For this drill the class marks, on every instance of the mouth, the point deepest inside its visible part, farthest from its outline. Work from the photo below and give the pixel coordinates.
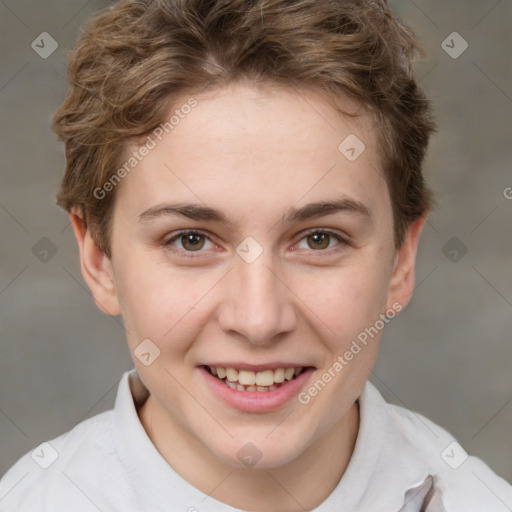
(255, 381)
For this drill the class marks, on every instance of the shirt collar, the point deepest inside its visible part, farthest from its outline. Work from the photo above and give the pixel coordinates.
(382, 474)
(383, 468)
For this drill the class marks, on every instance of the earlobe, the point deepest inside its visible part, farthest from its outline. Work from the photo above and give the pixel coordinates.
(402, 280)
(96, 267)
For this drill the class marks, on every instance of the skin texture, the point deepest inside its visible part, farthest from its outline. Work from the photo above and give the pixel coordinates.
(253, 153)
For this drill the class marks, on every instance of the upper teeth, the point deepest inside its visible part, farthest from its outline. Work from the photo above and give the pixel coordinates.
(250, 378)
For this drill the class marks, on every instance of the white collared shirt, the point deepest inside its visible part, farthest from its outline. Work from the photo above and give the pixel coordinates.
(402, 462)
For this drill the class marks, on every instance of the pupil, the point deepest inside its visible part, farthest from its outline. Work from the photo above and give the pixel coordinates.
(193, 239)
(321, 237)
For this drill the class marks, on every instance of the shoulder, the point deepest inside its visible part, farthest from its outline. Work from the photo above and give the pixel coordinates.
(463, 482)
(70, 467)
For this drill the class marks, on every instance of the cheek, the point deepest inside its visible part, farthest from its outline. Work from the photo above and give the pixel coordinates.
(159, 304)
(346, 300)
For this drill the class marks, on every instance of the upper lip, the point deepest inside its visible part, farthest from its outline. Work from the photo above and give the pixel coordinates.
(256, 367)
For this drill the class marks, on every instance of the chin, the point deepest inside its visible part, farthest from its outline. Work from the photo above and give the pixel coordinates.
(259, 451)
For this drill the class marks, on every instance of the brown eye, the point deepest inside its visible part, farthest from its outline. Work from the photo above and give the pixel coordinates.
(321, 240)
(190, 241)
(193, 241)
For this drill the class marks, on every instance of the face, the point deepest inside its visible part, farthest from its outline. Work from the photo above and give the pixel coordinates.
(226, 255)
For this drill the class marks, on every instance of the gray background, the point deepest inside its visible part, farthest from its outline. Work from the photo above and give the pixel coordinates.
(448, 357)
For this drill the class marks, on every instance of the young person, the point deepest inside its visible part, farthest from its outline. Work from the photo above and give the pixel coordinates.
(245, 184)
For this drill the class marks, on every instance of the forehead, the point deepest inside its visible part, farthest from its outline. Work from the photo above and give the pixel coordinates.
(270, 119)
(243, 146)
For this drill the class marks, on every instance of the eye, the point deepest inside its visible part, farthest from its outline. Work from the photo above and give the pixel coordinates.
(193, 241)
(320, 240)
(190, 240)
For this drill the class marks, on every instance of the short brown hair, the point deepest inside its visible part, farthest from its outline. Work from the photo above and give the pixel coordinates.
(135, 58)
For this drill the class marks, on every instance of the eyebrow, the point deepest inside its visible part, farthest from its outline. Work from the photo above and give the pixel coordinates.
(205, 213)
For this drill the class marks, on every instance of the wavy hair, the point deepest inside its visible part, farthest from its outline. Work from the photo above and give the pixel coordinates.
(134, 60)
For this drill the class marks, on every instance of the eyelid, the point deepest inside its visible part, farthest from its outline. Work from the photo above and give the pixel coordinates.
(176, 236)
(343, 240)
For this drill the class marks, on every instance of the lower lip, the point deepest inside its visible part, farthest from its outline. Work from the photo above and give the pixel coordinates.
(257, 401)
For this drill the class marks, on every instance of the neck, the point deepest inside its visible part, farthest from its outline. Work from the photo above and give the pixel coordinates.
(302, 484)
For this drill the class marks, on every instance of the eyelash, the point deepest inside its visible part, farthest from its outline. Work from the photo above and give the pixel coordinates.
(190, 254)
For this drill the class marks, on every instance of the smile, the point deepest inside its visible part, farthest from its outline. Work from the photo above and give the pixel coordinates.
(247, 380)
(252, 391)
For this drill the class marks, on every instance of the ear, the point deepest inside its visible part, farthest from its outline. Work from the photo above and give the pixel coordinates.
(401, 284)
(96, 268)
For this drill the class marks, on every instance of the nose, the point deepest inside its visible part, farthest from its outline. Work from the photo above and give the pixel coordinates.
(258, 305)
